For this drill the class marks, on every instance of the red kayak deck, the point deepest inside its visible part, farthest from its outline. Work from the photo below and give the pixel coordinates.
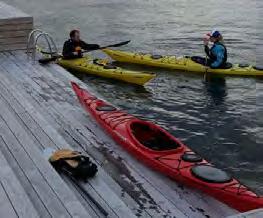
(165, 153)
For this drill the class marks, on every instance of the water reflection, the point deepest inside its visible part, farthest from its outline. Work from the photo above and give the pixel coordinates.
(216, 88)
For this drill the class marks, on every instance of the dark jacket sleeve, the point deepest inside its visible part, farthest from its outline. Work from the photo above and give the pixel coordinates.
(207, 51)
(68, 50)
(89, 47)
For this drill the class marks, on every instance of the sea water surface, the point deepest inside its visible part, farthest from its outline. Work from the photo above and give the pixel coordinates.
(222, 119)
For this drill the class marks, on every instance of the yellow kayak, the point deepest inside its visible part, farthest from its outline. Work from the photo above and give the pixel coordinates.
(104, 69)
(181, 63)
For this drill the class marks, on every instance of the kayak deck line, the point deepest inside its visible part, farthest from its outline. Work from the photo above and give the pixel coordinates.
(38, 110)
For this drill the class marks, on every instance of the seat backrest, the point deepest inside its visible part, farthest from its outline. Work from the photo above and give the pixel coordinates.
(228, 65)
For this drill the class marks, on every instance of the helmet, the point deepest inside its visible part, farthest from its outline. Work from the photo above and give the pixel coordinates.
(215, 34)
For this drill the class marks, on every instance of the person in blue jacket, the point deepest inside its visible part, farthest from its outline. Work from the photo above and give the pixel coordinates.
(217, 54)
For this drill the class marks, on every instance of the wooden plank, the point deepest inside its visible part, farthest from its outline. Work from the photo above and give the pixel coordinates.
(250, 214)
(9, 34)
(58, 186)
(19, 27)
(46, 141)
(13, 40)
(43, 190)
(49, 174)
(20, 201)
(13, 47)
(29, 122)
(6, 208)
(24, 181)
(104, 190)
(16, 21)
(92, 209)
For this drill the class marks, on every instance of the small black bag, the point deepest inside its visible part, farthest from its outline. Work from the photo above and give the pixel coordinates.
(73, 163)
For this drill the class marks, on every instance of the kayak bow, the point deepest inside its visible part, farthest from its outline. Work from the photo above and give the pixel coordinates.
(165, 153)
(181, 63)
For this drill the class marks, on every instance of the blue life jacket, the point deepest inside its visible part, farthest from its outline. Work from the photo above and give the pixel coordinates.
(217, 55)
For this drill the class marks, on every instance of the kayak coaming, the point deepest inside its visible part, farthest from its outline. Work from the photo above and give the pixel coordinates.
(179, 63)
(85, 65)
(169, 162)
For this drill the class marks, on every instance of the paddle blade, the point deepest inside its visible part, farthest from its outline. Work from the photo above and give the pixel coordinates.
(116, 45)
(120, 44)
(108, 46)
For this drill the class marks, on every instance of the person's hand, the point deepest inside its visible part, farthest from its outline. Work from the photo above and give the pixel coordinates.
(206, 39)
(75, 53)
(206, 42)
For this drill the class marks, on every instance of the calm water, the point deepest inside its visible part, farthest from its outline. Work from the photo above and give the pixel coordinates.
(222, 120)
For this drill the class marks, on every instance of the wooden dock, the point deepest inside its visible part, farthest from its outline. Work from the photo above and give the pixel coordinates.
(40, 110)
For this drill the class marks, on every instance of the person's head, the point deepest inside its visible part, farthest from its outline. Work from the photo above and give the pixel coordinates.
(75, 35)
(216, 36)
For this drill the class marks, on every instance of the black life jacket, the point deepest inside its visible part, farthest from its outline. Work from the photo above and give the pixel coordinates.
(73, 163)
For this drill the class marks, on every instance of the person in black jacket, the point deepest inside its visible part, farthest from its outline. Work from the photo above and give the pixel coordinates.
(73, 47)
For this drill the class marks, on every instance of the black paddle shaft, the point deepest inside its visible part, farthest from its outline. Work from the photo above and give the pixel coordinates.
(78, 185)
(108, 46)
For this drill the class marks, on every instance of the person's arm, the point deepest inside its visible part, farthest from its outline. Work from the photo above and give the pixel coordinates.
(207, 51)
(219, 52)
(68, 51)
(89, 47)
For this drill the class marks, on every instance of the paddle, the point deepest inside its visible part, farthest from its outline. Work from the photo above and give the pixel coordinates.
(109, 46)
(206, 68)
(54, 58)
(206, 41)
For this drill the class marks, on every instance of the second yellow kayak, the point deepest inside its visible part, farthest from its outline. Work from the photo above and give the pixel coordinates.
(180, 63)
(104, 69)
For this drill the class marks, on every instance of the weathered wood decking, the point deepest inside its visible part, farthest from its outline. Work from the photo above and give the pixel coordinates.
(15, 26)
(250, 214)
(38, 109)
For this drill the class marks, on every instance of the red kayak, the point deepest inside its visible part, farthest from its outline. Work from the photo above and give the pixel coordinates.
(165, 153)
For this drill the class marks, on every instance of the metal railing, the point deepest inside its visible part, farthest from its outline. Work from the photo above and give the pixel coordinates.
(33, 38)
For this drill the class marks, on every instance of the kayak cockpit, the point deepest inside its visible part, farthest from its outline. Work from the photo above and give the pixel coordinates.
(152, 136)
(203, 61)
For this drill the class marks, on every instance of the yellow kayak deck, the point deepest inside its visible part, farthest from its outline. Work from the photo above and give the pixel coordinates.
(179, 63)
(102, 69)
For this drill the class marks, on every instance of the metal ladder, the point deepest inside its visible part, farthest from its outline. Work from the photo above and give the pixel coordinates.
(32, 41)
